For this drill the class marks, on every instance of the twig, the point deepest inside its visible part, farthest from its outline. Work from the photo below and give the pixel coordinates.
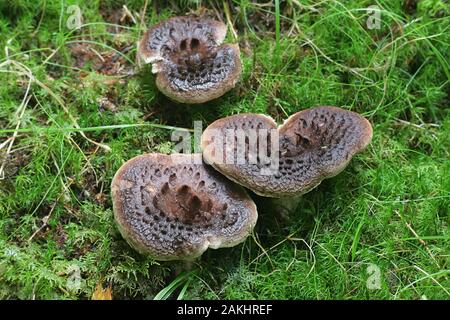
(421, 126)
(4, 143)
(20, 111)
(420, 279)
(422, 242)
(129, 14)
(331, 255)
(262, 248)
(271, 248)
(226, 8)
(310, 250)
(47, 217)
(142, 25)
(433, 279)
(66, 190)
(97, 54)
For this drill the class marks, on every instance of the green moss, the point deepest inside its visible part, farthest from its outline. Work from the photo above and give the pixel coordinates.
(57, 234)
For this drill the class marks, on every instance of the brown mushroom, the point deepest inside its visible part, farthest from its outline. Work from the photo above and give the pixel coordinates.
(191, 64)
(173, 207)
(312, 145)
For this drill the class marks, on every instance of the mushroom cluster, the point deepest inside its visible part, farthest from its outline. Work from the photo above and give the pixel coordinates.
(174, 207)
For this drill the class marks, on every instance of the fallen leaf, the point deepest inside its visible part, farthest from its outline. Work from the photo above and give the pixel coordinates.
(101, 293)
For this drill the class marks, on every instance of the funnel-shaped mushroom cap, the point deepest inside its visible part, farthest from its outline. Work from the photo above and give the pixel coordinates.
(191, 65)
(310, 146)
(171, 208)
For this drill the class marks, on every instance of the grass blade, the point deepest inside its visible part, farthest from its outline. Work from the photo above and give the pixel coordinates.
(166, 292)
(277, 32)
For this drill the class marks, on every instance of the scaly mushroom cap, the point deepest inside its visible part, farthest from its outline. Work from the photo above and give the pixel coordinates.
(191, 65)
(313, 144)
(171, 208)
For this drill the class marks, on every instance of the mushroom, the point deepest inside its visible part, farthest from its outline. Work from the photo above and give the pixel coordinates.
(191, 64)
(173, 207)
(310, 146)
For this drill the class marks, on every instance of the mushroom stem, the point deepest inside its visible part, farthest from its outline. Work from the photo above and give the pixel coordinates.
(286, 205)
(184, 266)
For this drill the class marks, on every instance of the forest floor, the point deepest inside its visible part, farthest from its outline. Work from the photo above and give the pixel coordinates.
(74, 107)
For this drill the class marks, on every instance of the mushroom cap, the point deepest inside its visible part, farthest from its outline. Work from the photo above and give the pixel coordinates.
(313, 145)
(173, 207)
(191, 64)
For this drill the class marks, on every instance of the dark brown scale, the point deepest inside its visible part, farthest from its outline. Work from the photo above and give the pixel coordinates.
(192, 59)
(175, 206)
(313, 144)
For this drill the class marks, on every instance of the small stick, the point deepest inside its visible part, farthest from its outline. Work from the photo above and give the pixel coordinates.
(4, 143)
(47, 217)
(228, 15)
(97, 53)
(129, 14)
(144, 11)
(422, 242)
